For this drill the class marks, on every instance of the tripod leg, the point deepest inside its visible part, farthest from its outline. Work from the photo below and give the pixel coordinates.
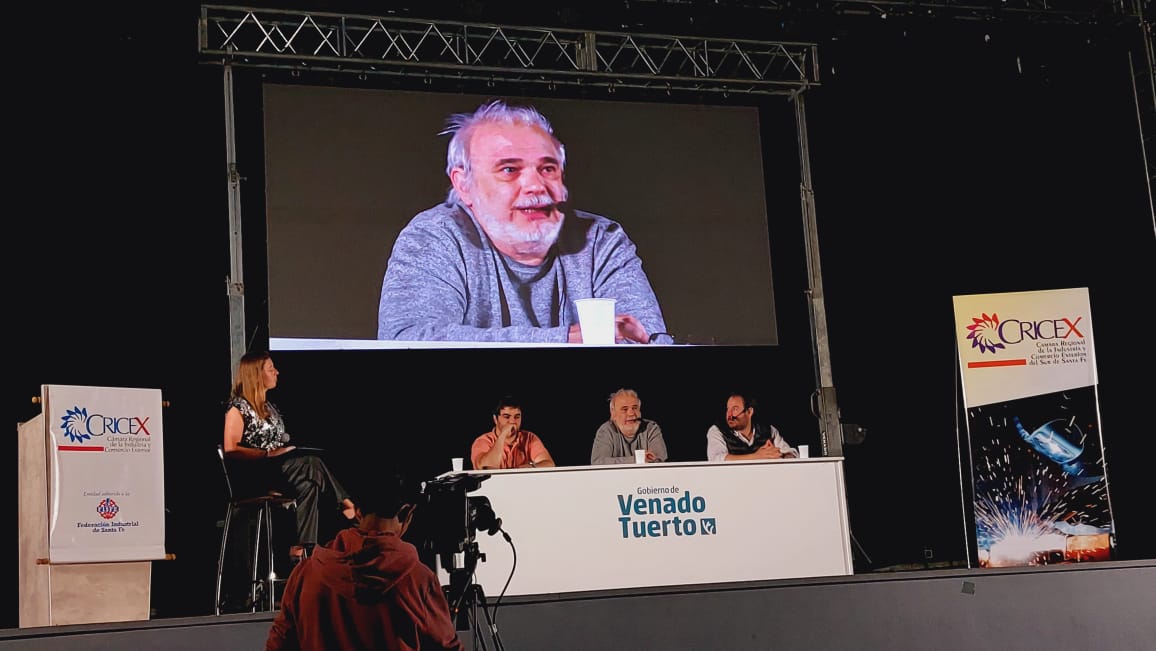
(480, 602)
(472, 617)
(862, 551)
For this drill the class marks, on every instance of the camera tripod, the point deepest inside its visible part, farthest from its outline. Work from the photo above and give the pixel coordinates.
(467, 600)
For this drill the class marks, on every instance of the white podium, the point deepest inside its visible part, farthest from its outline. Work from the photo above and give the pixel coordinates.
(90, 505)
(589, 528)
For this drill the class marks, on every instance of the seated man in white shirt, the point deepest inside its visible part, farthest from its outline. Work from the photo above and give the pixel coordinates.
(739, 438)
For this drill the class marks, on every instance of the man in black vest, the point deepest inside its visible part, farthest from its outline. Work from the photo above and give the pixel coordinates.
(739, 438)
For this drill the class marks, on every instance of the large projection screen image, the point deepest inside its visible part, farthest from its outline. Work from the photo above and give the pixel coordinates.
(674, 194)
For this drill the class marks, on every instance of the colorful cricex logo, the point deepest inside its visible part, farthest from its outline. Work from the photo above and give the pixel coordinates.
(990, 335)
(983, 333)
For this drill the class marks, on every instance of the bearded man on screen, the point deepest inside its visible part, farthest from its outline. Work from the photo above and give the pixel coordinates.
(503, 259)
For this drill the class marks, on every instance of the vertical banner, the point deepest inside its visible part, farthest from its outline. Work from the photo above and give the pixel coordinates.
(105, 450)
(1028, 369)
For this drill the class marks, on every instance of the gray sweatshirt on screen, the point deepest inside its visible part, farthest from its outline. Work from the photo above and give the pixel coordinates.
(445, 281)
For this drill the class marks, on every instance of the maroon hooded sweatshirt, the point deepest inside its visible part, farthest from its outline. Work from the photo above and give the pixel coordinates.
(363, 591)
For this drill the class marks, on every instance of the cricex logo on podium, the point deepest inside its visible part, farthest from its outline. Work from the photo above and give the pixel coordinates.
(657, 517)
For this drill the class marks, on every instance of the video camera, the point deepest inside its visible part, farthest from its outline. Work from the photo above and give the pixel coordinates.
(454, 517)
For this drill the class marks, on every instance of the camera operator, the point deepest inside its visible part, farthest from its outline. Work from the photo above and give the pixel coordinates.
(367, 589)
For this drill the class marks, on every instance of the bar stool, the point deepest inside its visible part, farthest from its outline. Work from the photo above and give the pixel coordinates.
(260, 508)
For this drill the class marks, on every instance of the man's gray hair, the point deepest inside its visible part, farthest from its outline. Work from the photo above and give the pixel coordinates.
(462, 125)
(624, 392)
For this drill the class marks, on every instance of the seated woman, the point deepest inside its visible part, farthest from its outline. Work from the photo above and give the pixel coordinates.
(255, 433)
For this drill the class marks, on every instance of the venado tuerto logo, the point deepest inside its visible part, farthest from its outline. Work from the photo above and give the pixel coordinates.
(662, 511)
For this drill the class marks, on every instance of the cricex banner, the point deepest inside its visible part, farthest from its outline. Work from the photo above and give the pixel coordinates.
(105, 451)
(1028, 367)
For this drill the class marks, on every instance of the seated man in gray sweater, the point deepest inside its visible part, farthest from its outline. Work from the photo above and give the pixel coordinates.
(626, 431)
(500, 260)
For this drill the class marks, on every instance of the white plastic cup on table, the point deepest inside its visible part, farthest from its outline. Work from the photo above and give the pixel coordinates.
(457, 463)
(596, 318)
(640, 456)
(804, 451)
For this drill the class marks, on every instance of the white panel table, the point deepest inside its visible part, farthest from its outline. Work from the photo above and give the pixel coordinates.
(586, 528)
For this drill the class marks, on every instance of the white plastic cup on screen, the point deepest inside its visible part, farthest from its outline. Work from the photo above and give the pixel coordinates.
(596, 318)
(640, 456)
(457, 463)
(804, 451)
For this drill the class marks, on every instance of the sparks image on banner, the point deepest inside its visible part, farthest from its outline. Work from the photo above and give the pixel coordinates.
(1038, 471)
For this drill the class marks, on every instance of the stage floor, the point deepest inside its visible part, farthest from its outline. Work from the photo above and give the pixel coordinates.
(1081, 606)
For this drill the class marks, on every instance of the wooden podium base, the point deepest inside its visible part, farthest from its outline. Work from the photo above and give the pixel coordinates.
(69, 593)
(86, 593)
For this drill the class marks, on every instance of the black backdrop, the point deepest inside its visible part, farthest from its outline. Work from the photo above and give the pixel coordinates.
(948, 158)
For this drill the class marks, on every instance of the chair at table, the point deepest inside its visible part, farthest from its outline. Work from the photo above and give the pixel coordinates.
(259, 506)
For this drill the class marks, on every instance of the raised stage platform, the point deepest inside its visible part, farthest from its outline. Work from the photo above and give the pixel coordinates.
(1105, 605)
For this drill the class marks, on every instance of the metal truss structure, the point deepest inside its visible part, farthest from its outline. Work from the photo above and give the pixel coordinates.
(484, 52)
(1039, 12)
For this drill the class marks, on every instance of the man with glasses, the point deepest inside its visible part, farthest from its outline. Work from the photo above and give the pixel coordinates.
(739, 438)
